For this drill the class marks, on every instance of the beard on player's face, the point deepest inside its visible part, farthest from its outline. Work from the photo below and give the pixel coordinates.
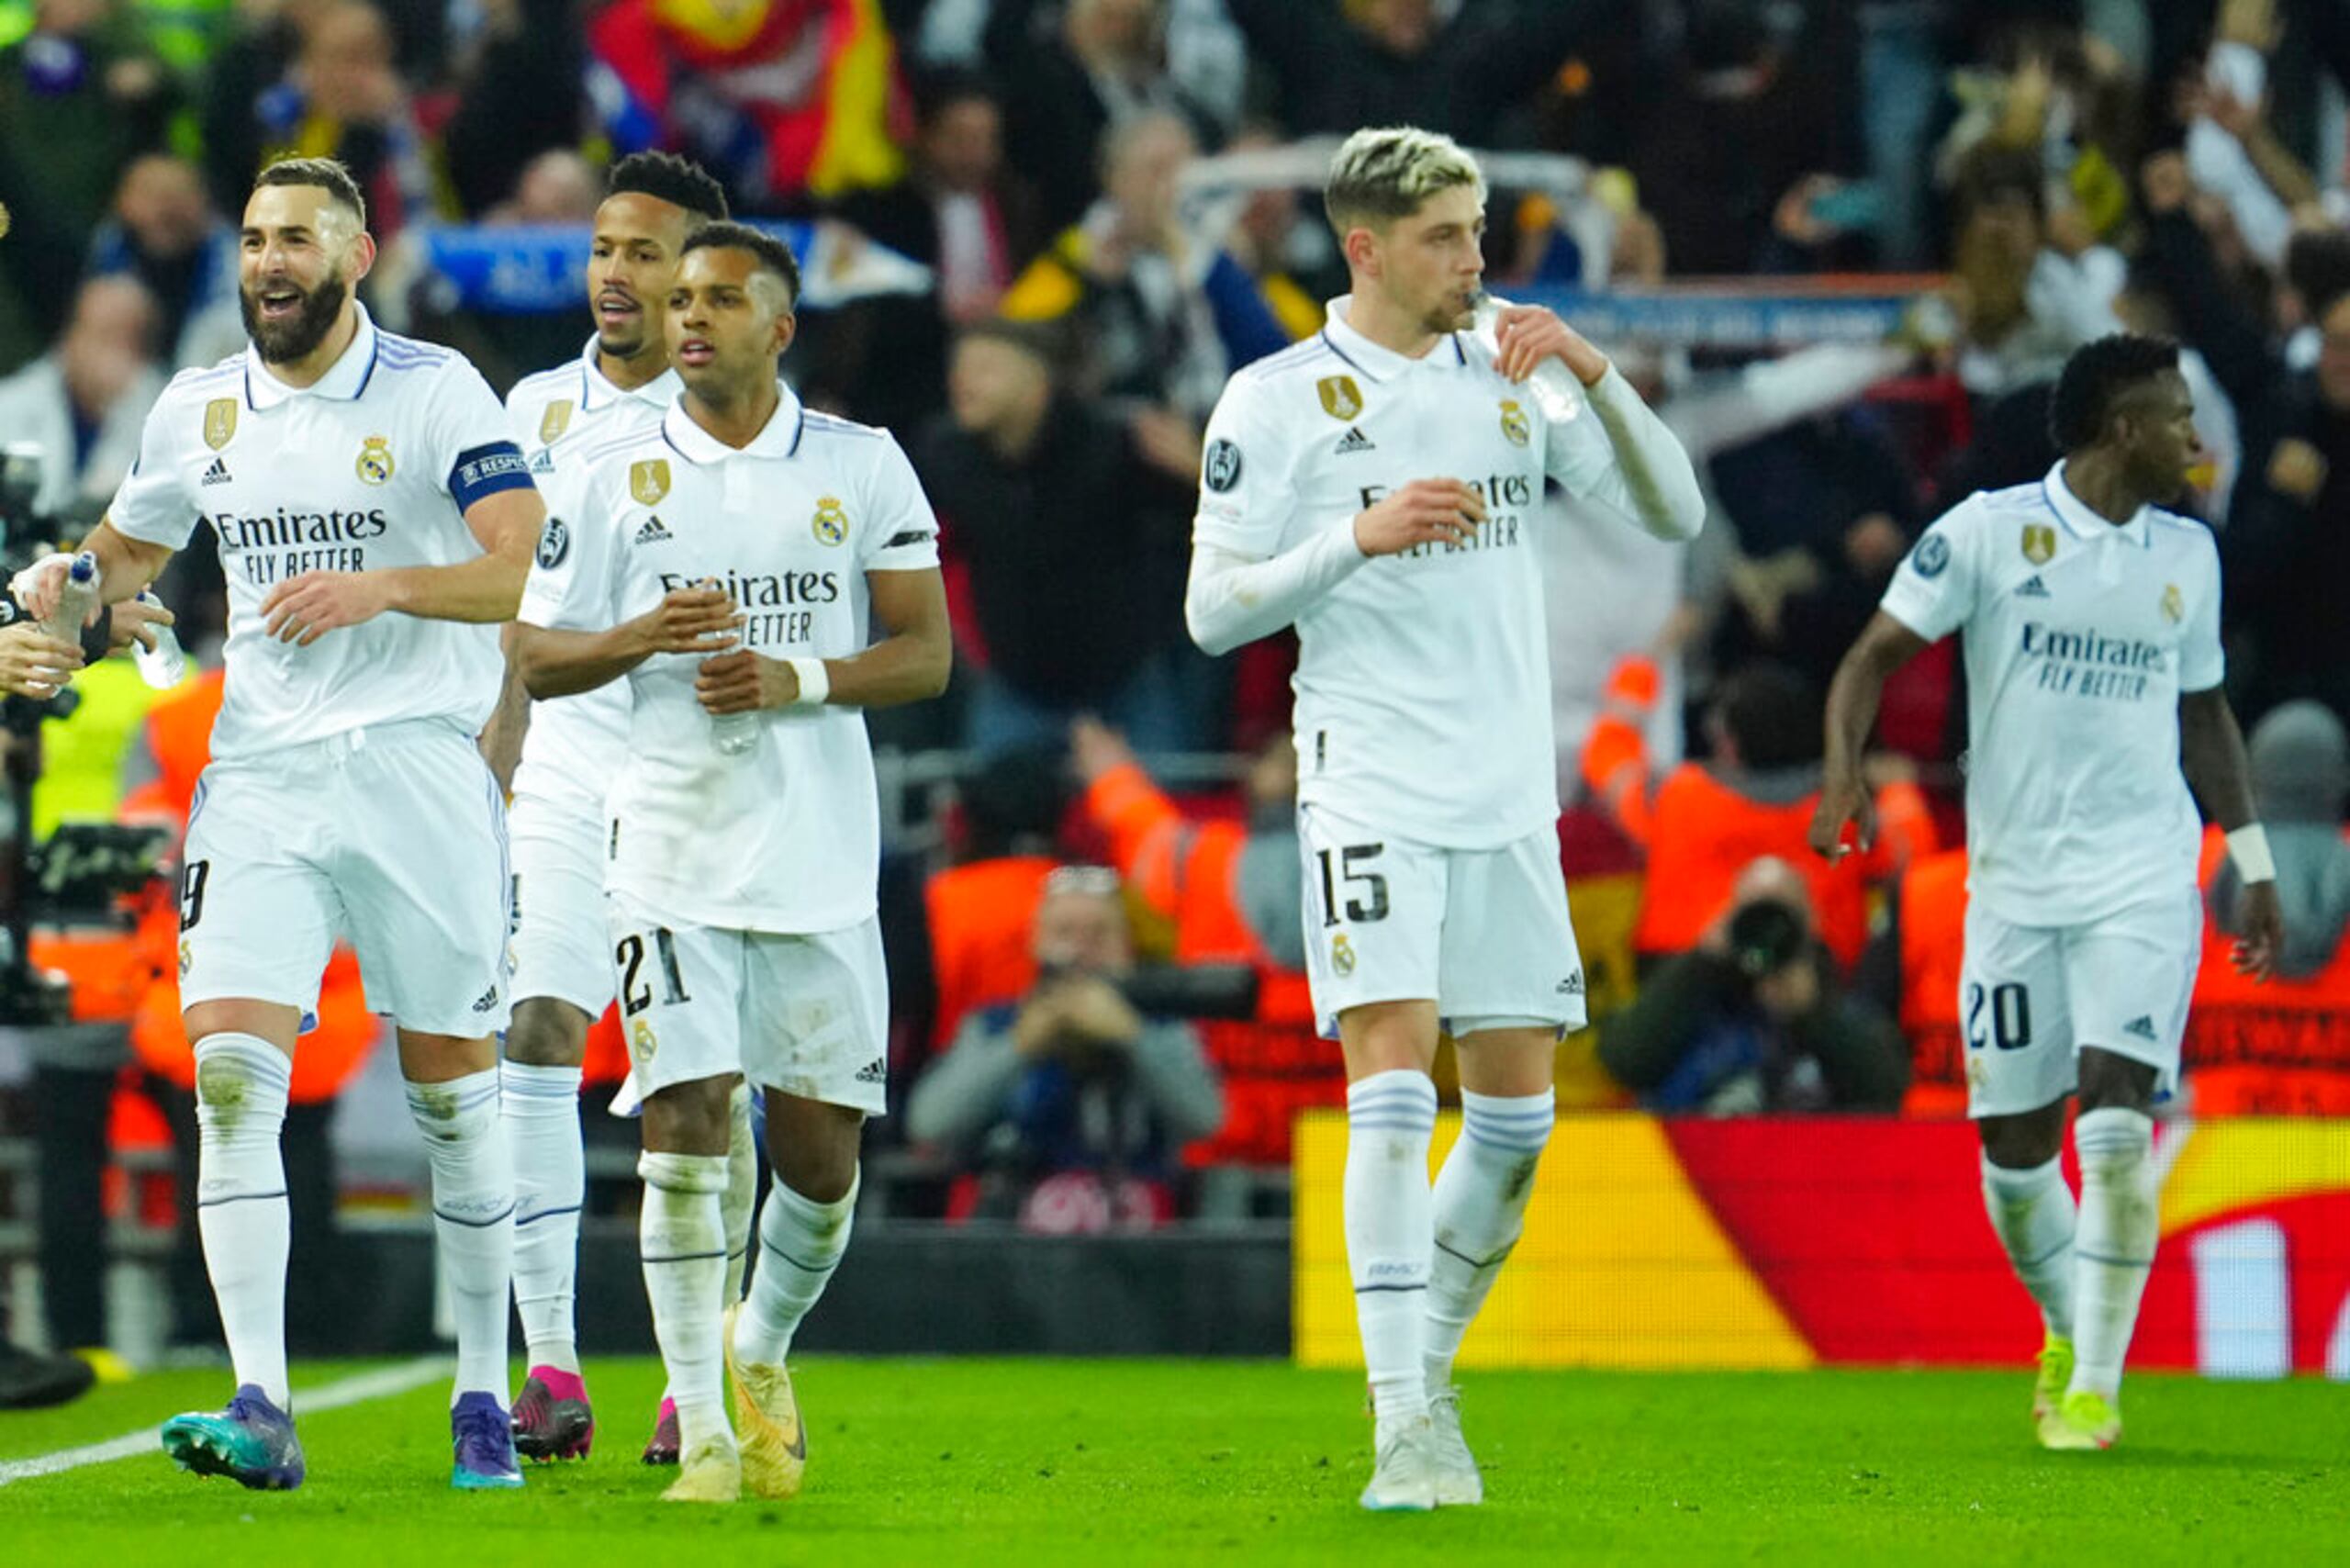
(285, 338)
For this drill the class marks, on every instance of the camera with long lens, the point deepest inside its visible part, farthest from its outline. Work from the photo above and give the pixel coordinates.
(80, 873)
(1203, 992)
(1766, 936)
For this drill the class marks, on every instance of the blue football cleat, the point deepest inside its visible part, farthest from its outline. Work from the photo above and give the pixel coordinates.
(251, 1442)
(484, 1438)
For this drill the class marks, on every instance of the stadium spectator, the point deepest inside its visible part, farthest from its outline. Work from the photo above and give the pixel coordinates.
(258, 50)
(1068, 531)
(166, 235)
(1095, 67)
(342, 98)
(522, 100)
(1704, 823)
(782, 102)
(1337, 65)
(2301, 780)
(1754, 1019)
(1164, 315)
(80, 97)
(958, 212)
(1067, 1107)
(83, 403)
(980, 911)
(1231, 892)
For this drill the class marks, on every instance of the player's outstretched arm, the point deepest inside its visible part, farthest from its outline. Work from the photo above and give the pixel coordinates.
(1231, 599)
(1884, 646)
(562, 662)
(910, 664)
(2211, 755)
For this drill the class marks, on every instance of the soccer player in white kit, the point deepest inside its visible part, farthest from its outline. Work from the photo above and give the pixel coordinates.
(1377, 487)
(2093, 666)
(573, 747)
(374, 523)
(726, 564)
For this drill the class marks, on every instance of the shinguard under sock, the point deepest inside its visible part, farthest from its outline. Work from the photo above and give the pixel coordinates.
(2034, 1216)
(1390, 1232)
(1479, 1208)
(2114, 1247)
(241, 1084)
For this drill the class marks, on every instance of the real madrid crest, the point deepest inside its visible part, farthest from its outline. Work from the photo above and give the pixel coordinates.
(2174, 604)
(831, 523)
(1341, 398)
(374, 464)
(554, 422)
(2039, 543)
(1342, 954)
(220, 422)
(649, 481)
(1515, 424)
(641, 1040)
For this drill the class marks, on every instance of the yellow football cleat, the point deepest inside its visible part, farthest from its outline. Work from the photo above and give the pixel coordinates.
(775, 1442)
(711, 1472)
(2083, 1422)
(2055, 1376)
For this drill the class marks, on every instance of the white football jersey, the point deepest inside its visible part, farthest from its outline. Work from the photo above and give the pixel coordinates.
(1423, 680)
(574, 744)
(2080, 636)
(785, 838)
(371, 467)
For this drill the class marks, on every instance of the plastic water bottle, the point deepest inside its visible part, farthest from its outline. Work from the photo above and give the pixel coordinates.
(734, 734)
(74, 600)
(1552, 387)
(163, 666)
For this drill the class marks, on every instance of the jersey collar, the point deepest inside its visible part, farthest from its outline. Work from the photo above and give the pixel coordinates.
(2084, 522)
(344, 380)
(779, 439)
(598, 391)
(1371, 359)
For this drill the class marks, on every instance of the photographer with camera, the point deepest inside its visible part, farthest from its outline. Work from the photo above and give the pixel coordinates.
(1755, 1018)
(1067, 1108)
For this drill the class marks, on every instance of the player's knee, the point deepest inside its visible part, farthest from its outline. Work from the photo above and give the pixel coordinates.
(689, 1119)
(547, 1032)
(241, 1084)
(2023, 1142)
(2113, 1083)
(813, 1147)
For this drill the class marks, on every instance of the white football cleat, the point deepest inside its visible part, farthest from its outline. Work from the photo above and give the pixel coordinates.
(1403, 1475)
(1458, 1483)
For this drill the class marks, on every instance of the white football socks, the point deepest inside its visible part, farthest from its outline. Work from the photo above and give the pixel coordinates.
(472, 1218)
(242, 1082)
(550, 1186)
(2115, 1246)
(682, 1238)
(742, 1189)
(1479, 1208)
(800, 1243)
(2032, 1215)
(1390, 1233)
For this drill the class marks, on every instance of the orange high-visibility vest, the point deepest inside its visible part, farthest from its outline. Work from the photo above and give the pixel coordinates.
(982, 928)
(2281, 1048)
(1932, 915)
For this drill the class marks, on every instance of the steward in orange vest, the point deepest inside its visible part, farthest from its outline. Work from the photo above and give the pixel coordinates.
(1231, 891)
(1705, 822)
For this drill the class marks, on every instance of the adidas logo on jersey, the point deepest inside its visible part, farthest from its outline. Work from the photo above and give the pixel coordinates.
(2141, 1026)
(488, 1000)
(875, 1071)
(217, 473)
(653, 532)
(1353, 440)
(2033, 588)
(543, 462)
(1572, 985)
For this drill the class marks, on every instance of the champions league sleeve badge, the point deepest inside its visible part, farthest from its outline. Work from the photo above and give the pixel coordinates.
(555, 543)
(1930, 557)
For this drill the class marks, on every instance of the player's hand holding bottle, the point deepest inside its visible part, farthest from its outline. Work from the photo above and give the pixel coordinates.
(699, 620)
(32, 663)
(1426, 512)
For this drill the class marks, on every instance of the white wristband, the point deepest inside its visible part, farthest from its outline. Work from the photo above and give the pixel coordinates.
(815, 685)
(2248, 848)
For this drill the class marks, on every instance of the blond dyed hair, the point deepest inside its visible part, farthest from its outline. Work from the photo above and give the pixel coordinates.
(1385, 173)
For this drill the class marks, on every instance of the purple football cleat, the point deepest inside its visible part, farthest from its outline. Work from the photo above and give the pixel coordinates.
(484, 1438)
(662, 1446)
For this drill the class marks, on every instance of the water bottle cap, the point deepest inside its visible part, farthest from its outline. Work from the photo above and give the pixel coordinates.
(85, 567)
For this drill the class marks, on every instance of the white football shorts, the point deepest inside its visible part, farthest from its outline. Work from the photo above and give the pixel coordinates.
(392, 836)
(1482, 933)
(563, 945)
(2031, 996)
(807, 1015)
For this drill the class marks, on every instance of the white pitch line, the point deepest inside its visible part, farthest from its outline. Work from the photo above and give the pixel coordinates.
(381, 1383)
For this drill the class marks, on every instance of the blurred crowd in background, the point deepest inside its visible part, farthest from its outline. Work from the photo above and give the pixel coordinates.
(1096, 801)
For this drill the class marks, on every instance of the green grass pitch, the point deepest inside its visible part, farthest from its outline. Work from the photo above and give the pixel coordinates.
(1043, 1463)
